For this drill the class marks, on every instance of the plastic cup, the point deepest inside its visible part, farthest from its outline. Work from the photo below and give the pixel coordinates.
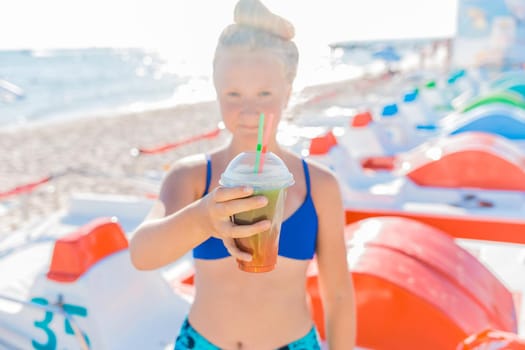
(271, 181)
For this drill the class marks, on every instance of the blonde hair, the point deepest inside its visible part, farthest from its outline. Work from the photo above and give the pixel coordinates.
(257, 28)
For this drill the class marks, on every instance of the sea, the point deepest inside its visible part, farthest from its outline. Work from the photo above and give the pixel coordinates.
(69, 83)
(61, 84)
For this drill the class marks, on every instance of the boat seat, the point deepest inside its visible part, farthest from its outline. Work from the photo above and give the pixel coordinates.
(468, 160)
(416, 288)
(75, 253)
(322, 144)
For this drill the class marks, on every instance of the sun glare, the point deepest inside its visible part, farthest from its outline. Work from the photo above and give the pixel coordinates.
(161, 23)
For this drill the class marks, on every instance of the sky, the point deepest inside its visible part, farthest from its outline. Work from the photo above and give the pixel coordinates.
(185, 24)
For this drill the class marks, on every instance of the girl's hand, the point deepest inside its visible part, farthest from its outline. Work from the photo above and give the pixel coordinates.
(220, 205)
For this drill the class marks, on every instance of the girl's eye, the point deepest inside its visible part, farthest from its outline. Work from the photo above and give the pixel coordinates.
(233, 94)
(265, 93)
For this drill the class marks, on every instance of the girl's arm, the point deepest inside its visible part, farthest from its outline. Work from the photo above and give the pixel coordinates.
(335, 281)
(179, 220)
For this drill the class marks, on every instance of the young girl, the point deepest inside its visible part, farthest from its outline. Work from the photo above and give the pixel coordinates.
(254, 68)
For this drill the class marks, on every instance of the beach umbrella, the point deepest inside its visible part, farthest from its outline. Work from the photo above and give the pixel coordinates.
(388, 54)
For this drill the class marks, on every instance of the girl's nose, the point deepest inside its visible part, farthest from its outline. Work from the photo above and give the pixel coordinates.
(250, 108)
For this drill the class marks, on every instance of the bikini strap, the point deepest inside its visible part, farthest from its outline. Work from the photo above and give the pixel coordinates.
(306, 177)
(208, 175)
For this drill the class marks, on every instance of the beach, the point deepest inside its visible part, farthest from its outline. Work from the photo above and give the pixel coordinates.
(94, 154)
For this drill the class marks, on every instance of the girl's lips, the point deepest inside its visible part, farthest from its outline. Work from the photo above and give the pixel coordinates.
(248, 127)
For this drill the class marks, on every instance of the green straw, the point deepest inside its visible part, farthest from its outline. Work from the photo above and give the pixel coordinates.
(259, 144)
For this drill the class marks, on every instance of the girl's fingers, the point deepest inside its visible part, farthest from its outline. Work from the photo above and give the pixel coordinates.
(225, 202)
(224, 194)
(227, 209)
(234, 251)
(240, 231)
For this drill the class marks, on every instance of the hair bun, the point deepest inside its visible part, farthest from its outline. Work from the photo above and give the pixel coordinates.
(254, 14)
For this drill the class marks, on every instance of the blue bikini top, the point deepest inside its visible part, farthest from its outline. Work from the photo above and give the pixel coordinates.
(298, 236)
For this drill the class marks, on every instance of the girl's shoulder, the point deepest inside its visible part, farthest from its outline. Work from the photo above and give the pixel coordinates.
(317, 170)
(187, 165)
(186, 174)
(324, 185)
(320, 172)
(320, 176)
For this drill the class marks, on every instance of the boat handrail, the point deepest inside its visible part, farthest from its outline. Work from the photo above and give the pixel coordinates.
(56, 309)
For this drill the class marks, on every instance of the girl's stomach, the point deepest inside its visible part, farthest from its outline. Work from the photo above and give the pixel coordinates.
(241, 310)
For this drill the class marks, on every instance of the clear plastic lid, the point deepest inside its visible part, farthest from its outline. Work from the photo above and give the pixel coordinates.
(241, 171)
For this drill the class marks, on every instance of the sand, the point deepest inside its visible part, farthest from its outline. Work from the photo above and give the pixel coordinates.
(93, 154)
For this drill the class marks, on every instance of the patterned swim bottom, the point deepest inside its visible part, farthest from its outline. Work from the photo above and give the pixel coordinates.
(189, 338)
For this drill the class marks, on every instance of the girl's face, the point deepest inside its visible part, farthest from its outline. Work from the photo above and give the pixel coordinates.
(248, 84)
